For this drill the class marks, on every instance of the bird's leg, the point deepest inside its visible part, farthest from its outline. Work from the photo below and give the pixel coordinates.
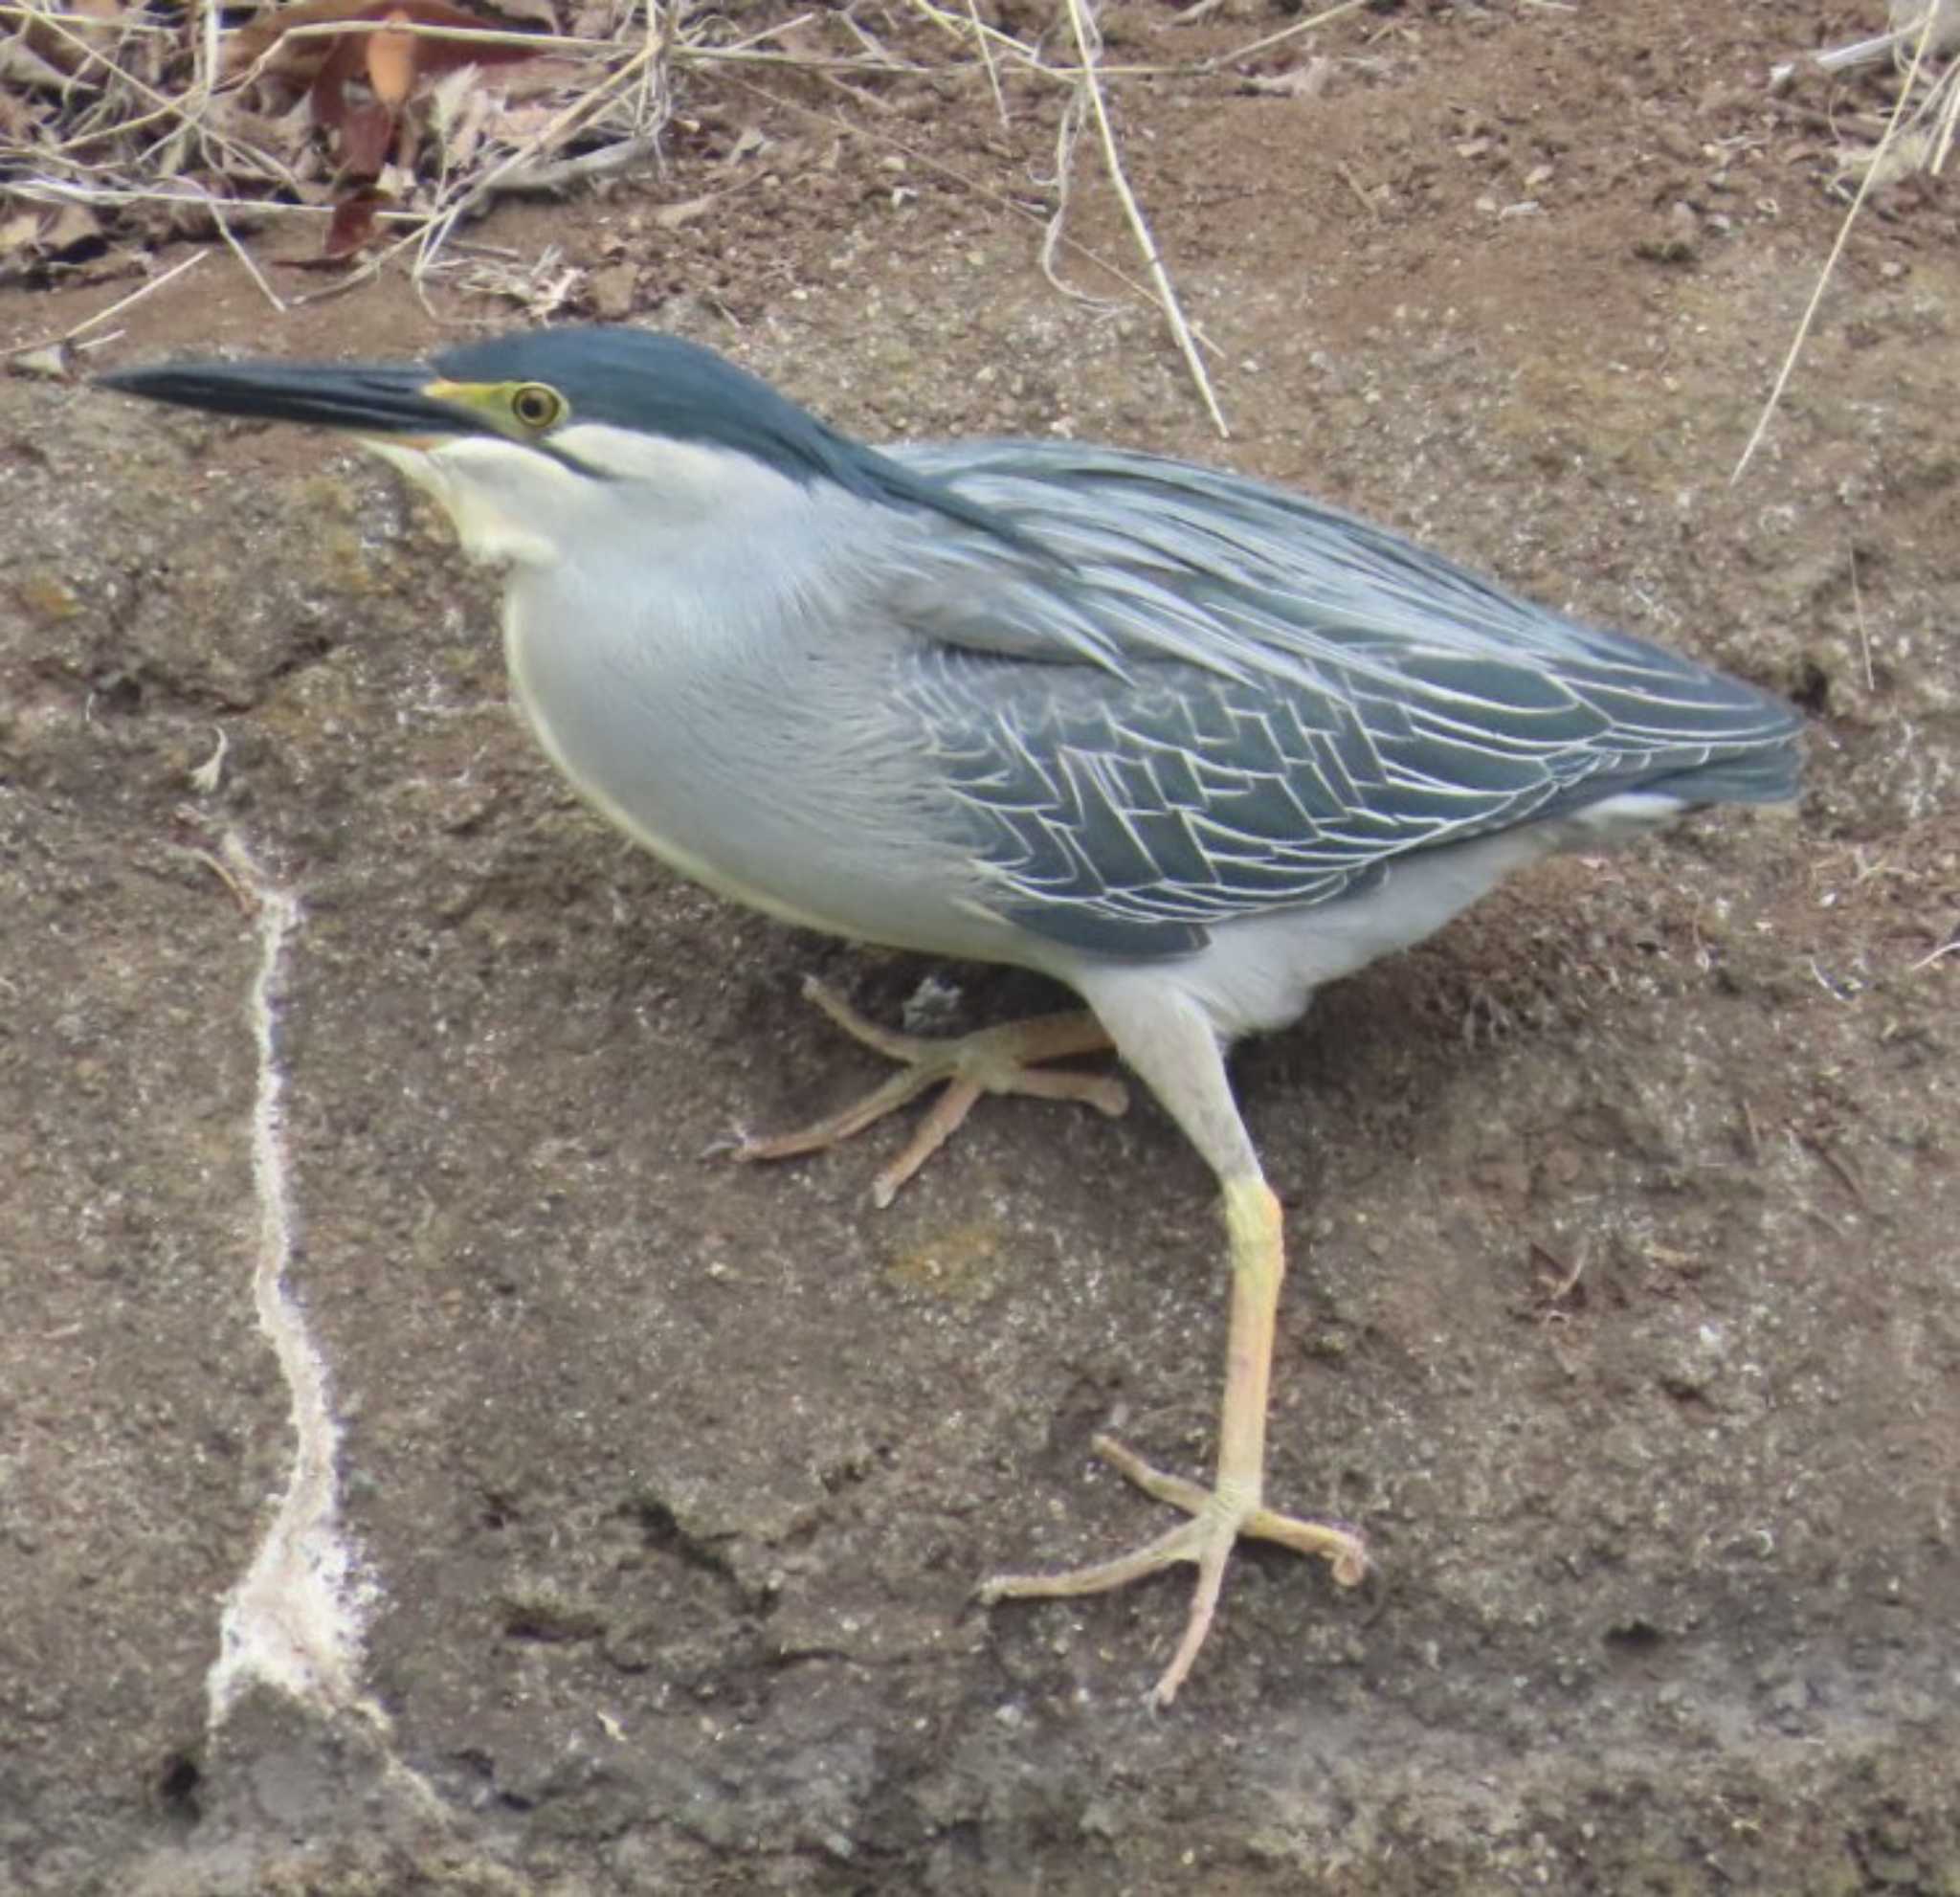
(1233, 1505)
(1168, 1039)
(993, 1060)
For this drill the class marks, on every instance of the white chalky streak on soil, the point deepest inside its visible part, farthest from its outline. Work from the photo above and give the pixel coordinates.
(296, 1619)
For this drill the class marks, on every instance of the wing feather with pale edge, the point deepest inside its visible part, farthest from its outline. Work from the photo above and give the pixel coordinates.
(1166, 696)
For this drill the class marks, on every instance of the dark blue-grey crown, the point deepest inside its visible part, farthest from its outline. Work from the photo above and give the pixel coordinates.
(662, 385)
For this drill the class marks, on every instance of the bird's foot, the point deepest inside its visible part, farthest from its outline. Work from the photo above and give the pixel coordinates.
(993, 1060)
(1218, 1518)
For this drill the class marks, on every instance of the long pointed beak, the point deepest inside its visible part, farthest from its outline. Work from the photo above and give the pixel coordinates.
(385, 399)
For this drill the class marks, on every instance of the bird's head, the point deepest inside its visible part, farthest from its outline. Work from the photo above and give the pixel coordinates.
(539, 441)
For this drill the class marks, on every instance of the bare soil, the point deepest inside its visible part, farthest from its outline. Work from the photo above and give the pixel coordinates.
(1624, 1214)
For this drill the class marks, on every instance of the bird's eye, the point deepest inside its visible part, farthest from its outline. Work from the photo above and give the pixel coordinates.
(536, 405)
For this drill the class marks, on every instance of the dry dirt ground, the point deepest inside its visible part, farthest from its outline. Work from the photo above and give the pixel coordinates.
(1624, 1214)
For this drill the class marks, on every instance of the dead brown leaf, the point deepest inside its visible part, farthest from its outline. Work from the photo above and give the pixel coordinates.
(366, 131)
(388, 63)
(352, 227)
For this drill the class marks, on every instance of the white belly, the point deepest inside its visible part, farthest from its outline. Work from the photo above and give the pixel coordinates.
(1256, 975)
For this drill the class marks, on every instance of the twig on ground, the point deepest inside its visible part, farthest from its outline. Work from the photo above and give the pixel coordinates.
(1088, 44)
(244, 256)
(1803, 328)
(114, 310)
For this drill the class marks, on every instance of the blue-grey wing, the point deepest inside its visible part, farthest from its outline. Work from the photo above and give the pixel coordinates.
(1166, 696)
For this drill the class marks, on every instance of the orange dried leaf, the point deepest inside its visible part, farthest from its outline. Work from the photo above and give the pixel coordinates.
(390, 59)
(435, 55)
(387, 63)
(301, 57)
(298, 57)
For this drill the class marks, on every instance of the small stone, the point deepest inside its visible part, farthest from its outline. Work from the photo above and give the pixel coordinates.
(1890, 1868)
(1678, 142)
(1677, 240)
(46, 597)
(614, 290)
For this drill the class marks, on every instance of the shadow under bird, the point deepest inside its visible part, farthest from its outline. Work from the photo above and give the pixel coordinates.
(1188, 743)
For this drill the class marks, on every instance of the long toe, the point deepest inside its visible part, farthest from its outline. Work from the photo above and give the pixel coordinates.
(1217, 1521)
(999, 1060)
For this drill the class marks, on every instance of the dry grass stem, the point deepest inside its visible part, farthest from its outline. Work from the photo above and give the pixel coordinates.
(191, 113)
(332, 30)
(188, 197)
(984, 193)
(655, 101)
(163, 131)
(1803, 328)
(1087, 43)
(560, 173)
(1068, 131)
(71, 337)
(987, 60)
(135, 297)
(238, 249)
(443, 220)
(1299, 26)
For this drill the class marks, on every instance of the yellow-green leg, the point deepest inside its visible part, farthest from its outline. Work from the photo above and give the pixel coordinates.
(998, 1059)
(1233, 1506)
(1167, 1037)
